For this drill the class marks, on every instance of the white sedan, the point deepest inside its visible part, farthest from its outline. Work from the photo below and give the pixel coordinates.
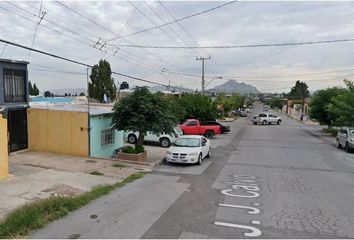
(189, 149)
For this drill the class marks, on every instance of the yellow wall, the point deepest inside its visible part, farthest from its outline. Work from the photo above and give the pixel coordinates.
(4, 161)
(62, 132)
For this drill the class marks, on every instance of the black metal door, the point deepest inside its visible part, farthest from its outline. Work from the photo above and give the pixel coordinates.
(17, 128)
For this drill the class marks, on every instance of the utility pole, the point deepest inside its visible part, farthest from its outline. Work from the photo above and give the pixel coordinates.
(203, 80)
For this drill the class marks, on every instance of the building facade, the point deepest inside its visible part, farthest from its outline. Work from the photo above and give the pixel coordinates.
(14, 99)
(4, 165)
(71, 130)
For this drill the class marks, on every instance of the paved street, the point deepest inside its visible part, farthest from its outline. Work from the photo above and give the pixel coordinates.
(261, 182)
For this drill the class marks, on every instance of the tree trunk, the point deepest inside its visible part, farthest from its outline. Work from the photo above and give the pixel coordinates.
(140, 139)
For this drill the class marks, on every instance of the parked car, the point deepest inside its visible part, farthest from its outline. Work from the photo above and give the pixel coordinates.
(189, 149)
(165, 140)
(241, 113)
(194, 127)
(345, 138)
(266, 118)
(265, 108)
(224, 128)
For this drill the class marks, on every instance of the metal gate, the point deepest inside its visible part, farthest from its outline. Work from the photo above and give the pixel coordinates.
(17, 129)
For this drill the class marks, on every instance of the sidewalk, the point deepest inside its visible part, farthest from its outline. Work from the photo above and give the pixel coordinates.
(35, 175)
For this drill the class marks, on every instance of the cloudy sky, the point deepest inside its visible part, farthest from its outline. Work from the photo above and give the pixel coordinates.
(64, 32)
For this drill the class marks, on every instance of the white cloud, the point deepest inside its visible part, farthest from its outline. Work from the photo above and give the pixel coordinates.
(239, 23)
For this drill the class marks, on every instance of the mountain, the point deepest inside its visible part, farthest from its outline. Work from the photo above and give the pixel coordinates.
(155, 89)
(233, 86)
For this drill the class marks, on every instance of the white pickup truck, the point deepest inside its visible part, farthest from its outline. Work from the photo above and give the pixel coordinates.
(266, 118)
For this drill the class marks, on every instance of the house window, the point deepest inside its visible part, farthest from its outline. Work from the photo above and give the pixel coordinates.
(107, 137)
(14, 86)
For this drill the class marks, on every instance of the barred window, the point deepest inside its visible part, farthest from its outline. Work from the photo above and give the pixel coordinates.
(107, 137)
(14, 85)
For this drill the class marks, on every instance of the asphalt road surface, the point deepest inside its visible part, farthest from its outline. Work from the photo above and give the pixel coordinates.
(261, 182)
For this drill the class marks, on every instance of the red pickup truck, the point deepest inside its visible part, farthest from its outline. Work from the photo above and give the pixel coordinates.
(194, 127)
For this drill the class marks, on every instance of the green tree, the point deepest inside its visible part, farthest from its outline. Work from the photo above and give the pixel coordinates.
(230, 102)
(143, 111)
(35, 90)
(300, 92)
(30, 88)
(319, 105)
(102, 82)
(342, 107)
(198, 106)
(276, 103)
(178, 109)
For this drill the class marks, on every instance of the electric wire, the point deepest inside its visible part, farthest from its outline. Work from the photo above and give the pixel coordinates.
(178, 20)
(77, 62)
(240, 46)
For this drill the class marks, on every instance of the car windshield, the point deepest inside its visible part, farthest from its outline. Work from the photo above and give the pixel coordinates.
(178, 130)
(187, 142)
(351, 132)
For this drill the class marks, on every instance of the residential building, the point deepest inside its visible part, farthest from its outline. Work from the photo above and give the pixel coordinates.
(14, 99)
(71, 130)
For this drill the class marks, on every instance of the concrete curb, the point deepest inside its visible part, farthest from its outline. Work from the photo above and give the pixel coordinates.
(152, 164)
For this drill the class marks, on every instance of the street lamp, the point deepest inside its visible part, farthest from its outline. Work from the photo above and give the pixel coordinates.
(212, 80)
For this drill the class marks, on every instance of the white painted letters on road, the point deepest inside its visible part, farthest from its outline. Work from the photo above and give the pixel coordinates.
(246, 187)
(253, 210)
(252, 194)
(255, 232)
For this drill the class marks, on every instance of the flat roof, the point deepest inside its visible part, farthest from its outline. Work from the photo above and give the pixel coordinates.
(3, 60)
(94, 110)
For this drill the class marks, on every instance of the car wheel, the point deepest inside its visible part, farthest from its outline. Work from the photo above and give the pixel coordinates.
(165, 142)
(132, 138)
(209, 154)
(338, 144)
(347, 148)
(254, 123)
(278, 122)
(209, 134)
(200, 159)
(264, 122)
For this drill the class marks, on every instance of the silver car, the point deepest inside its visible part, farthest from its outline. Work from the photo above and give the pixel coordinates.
(345, 138)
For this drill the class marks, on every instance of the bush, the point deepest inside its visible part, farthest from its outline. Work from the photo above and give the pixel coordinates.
(130, 150)
(332, 131)
(139, 149)
(133, 150)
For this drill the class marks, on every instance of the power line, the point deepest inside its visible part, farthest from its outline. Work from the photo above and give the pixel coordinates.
(76, 33)
(178, 20)
(169, 27)
(3, 49)
(187, 33)
(239, 46)
(77, 62)
(56, 71)
(115, 34)
(40, 18)
(276, 76)
(192, 53)
(61, 33)
(129, 18)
